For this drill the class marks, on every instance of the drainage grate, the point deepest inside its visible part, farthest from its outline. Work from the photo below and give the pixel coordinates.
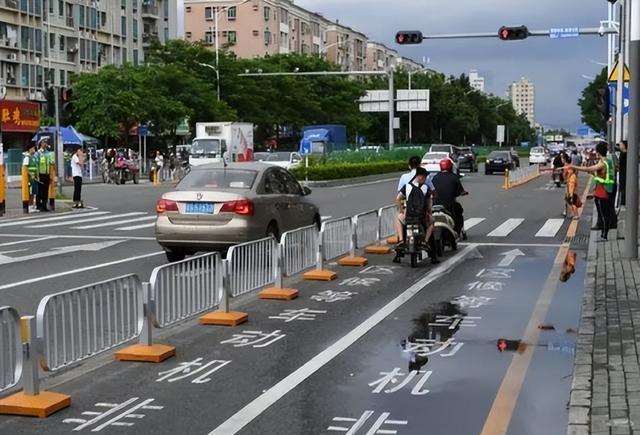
(578, 241)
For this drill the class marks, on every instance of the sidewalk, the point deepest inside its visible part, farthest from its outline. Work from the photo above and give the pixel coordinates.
(605, 393)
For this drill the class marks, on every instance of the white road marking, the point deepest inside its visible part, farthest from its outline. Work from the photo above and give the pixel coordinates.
(69, 236)
(136, 227)
(52, 218)
(256, 407)
(39, 239)
(509, 257)
(368, 183)
(472, 222)
(81, 221)
(506, 228)
(82, 269)
(550, 228)
(525, 245)
(112, 224)
(38, 216)
(91, 247)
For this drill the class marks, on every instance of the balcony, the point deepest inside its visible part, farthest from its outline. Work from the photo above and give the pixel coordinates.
(69, 21)
(9, 4)
(150, 11)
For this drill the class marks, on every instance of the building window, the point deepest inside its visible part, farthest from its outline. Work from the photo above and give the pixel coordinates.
(81, 16)
(135, 28)
(61, 42)
(267, 37)
(284, 16)
(52, 40)
(135, 57)
(208, 37)
(188, 35)
(123, 26)
(61, 8)
(103, 19)
(232, 37)
(63, 77)
(187, 9)
(267, 13)
(208, 13)
(231, 13)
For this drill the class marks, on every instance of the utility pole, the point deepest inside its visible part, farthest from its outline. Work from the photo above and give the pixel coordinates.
(410, 73)
(391, 106)
(58, 143)
(631, 217)
(624, 28)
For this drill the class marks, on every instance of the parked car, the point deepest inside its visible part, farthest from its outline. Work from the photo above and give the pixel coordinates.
(284, 159)
(371, 148)
(467, 159)
(539, 156)
(447, 148)
(215, 207)
(499, 161)
(431, 162)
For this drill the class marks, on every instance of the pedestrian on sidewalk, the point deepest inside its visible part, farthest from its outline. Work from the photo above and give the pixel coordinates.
(28, 160)
(45, 163)
(603, 180)
(77, 162)
(159, 164)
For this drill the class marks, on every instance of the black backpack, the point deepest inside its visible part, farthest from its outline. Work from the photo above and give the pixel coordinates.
(415, 201)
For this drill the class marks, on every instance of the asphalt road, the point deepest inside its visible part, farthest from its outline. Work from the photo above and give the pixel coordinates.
(406, 350)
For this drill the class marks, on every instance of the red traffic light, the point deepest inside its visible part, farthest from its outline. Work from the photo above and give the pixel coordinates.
(504, 345)
(407, 37)
(513, 33)
(504, 33)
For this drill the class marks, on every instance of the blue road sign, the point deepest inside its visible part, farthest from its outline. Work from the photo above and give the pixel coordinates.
(305, 146)
(564, 32)
(613, 86)
(143, 130)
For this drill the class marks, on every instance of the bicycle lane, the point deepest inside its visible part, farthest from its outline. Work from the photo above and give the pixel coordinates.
(433, 364)
(219, 370)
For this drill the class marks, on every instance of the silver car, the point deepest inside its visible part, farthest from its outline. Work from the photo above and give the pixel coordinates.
(215, 207)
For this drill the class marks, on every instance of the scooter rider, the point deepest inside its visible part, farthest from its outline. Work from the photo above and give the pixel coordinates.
(414, 200)
(448, 188)
(414, 163)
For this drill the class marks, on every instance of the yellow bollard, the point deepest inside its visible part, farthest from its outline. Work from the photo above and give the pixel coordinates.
(52, 189)
(506, 180)
(3, 191)
(156, 177)
(24, 176)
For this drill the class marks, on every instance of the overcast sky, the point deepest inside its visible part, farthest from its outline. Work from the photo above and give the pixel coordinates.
(555, 66)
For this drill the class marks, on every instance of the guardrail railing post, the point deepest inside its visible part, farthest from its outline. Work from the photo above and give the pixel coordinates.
(379, 248)
(352, 259)
(145, 350)
(320, 274)
(277, 292)
(23, 403)
(224, 316)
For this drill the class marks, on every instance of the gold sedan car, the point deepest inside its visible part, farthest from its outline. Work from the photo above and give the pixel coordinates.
(215, 207)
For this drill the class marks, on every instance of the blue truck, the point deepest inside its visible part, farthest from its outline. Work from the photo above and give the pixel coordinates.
(323, 139)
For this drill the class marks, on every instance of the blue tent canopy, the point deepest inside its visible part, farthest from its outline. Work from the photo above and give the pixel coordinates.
(69, 135)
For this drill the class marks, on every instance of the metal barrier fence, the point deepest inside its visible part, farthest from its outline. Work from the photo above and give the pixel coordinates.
(521, 175)
(76, 324)
(337, 237)
(252, 265)
(299, 249)
(183, 289)
(11, 348)
(367, 226)
(387, 216)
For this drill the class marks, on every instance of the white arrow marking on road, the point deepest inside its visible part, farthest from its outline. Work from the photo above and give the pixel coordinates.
(4, 259)
(510, 256)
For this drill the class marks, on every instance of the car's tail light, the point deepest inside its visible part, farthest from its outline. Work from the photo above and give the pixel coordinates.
(242, 207)
(165, 205)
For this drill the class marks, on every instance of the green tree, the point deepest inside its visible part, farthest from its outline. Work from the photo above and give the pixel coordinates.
(591, 114)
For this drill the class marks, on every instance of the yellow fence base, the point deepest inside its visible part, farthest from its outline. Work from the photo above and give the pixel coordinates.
(353, 261)
(222, 318)
(42, 405)
(155, 353)
(377, 249)
(320, 275)
(279, 294)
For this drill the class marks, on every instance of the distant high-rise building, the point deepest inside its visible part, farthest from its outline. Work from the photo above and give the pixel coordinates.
(476, 81)
(523, 98)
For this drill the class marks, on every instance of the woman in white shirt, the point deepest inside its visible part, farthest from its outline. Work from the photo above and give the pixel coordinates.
(76, 171)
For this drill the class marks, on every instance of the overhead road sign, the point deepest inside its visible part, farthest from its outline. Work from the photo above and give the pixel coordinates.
(564, 32)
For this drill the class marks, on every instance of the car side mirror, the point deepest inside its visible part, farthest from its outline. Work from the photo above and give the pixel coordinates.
(306, 191)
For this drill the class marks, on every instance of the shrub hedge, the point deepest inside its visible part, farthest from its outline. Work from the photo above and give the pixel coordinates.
(336, 171)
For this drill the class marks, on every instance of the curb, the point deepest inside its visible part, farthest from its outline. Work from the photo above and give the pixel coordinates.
(355, 180)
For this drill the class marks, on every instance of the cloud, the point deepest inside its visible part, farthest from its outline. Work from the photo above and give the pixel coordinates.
(555, 66)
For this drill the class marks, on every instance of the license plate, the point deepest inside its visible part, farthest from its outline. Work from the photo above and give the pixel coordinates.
(199, 207)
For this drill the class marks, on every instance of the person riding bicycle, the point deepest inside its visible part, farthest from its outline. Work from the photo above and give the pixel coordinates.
(448, 188)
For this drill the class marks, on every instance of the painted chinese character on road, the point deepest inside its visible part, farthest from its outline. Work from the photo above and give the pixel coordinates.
(494, 286)
(355, 281)
(379, 270)
(191, 368)
(256, 339)
(464, 302)
(429, 346)
(495, 273)
(452, 322)
(333, 296)
(365, 424)
(301, 314)
(122, 414)
(394, 376)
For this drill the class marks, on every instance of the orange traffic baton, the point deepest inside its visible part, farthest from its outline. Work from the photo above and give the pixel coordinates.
(26, 199)
(3, 190)
(52, 189)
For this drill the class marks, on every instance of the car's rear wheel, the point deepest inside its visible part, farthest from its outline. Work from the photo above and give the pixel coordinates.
(175, 255)
(272, 230)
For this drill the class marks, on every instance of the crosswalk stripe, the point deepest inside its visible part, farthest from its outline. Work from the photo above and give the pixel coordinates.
(472, 222)
(54, 218)
(136, 227)
(81, 221)
(112, 224)
(550, 228)
(33, 216)
(506, 228)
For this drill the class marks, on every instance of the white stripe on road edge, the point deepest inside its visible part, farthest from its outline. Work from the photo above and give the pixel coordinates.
(39, 239)
(81, 221)
(505, 229)
(53, 218)
(112, 224)
(83, 269)
(325, 218)
(472, 222)
(69, 236)
(260, 404)
(550, 228)
(526, 245)
(136, 227)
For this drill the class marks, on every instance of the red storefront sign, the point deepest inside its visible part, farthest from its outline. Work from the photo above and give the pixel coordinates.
(19, 116)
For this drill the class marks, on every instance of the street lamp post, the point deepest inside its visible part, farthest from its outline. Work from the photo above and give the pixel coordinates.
(217, 71)
(631, 216)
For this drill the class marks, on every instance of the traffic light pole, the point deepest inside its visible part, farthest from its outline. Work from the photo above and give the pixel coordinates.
(631, 216)
(59, 143)
(547, 33)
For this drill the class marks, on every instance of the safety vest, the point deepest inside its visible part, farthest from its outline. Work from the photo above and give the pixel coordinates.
(32, 166)
(44, 162)
(609, 180)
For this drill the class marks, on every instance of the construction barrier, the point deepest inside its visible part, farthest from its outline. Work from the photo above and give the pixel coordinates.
(25, 193)
(299, 249)
(11, 349)
(53, 180)
(77, 324)
(3, 190)
(186, 288)
(519, 176)
(252, 265)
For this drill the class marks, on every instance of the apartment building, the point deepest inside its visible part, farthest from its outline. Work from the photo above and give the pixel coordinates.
(346, 47)
(409, 64)
(254, 28)
(380, 57)
(523, 96)
(476, 81)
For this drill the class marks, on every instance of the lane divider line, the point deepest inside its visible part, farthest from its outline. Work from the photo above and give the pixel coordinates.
(260, 404)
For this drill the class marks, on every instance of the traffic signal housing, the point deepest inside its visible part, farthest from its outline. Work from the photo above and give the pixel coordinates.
(408, 37)
(513, 33)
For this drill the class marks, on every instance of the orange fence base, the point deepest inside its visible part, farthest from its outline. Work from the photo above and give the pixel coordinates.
(222, 318)
(155, 353)
(353, 261)
(278, 294)
(42, 405)
(320, 275)
(393, 240)
(377, 249)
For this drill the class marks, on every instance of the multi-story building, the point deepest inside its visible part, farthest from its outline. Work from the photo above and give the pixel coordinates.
(476, 81)
(255, 27)
(380, 57)
(346, 47)
(523, 96)
(410, 64)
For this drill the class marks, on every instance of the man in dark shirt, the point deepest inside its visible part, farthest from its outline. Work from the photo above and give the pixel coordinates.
(448, 188)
